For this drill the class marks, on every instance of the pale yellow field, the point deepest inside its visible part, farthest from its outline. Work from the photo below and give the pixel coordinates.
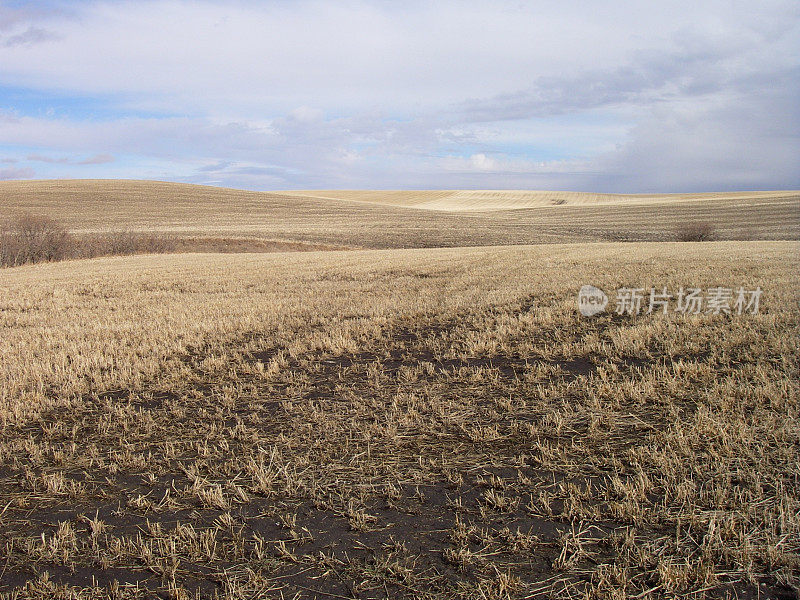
(494, 200)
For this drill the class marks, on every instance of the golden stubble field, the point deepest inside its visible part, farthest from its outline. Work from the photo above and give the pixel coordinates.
(432, 423)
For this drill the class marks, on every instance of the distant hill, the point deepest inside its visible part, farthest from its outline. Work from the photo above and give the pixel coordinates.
(393, 219)
(493, 200)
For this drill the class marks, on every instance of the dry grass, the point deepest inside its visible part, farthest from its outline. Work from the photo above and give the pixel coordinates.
(97, 206)
(405, 424)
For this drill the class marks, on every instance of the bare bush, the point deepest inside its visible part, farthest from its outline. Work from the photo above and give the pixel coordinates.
(695, 232)
(32, 238)
(120, 243)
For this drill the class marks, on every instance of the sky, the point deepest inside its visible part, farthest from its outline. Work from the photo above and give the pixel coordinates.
(595, 95)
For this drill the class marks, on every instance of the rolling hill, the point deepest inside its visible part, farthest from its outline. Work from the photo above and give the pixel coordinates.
(501, 200)
(376, 219)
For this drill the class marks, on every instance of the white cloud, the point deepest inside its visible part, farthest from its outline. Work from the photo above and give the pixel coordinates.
(503, 165)
(306, 114)
(480, 162)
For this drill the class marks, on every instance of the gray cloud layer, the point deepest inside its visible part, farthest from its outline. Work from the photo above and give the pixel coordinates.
(608, 96)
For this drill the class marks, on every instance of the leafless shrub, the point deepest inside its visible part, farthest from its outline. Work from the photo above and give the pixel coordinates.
(695, 232)
(120, 243)
(30, 238)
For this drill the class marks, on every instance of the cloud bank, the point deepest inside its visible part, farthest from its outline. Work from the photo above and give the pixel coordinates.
(601, 96)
